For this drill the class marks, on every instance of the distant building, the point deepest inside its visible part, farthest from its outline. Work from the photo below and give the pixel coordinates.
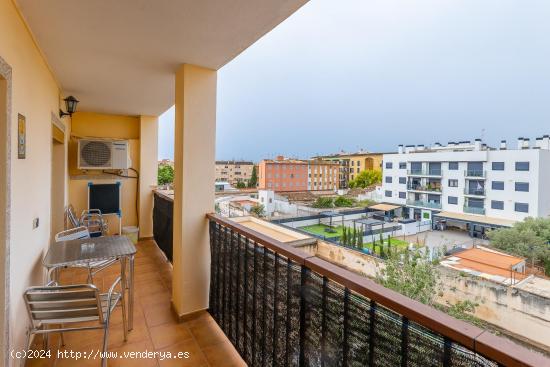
(283, 174)
(234, 171)
(470, 185)
(323, 175)
(166, 162)
(352, 164)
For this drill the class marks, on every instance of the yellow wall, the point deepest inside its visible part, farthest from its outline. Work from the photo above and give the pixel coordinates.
(148, 172)
(87, 124)
(35, 94)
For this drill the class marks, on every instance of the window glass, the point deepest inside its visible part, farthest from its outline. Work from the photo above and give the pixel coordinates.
(402, 180)
(497, 185)
(522, 186)
(453, 183)
(496, 204)
(402, 195)
(402, 165)
(388, 193)
(453, 166)
(521, 207)
(388, 179)
(498, 166)
(389, 165)
(452, 200)
(522, 166)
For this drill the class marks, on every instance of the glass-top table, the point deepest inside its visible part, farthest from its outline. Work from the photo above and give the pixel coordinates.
(83, 251)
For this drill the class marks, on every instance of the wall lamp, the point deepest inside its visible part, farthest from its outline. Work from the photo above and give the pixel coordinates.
(70, 103)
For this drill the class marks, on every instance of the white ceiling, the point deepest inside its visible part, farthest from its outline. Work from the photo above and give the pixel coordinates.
(120, 56)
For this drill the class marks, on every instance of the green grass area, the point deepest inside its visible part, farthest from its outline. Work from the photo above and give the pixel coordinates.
(319, 230)
(395, 243)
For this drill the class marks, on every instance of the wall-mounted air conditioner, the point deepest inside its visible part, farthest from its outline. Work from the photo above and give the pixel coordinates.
(103, 154)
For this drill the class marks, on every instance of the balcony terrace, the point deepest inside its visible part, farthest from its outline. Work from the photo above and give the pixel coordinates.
(424, 172)
(424, 204)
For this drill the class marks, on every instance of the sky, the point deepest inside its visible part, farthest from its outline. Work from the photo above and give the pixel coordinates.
(373, 74)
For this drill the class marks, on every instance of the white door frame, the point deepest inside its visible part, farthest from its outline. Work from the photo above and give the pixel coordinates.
(5, 73)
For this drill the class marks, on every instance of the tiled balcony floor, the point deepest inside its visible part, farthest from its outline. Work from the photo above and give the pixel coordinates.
(155, 326)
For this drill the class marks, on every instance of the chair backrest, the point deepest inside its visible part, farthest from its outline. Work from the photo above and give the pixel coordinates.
(72, 234)
(93, 220)
(71, 216)
(63, 304)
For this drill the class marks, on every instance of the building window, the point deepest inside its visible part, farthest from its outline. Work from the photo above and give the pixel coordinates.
(453, 183)
(522, 166)
(353, 163)
(402, 195)
(389, 165)
(358, 163)
(521, 207)
(452, 200)
(497, 185)
(497, 166)
(358, 169)
(453, 166)
(388, 179)
(496, 204)
(522, 186)
(402, 180)
(402, 165)
(388, 193)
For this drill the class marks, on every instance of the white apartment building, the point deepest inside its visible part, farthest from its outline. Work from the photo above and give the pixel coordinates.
(470, 184)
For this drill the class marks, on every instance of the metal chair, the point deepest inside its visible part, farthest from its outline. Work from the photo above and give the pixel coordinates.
(94, 266)
(71, 218)
(93, 220)
(61, 305)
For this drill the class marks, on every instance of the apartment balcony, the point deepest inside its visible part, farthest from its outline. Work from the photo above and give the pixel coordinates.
(474, 192)
(474, 210)
(476, 174)
(424, 204)
(424, 172)
(424, 188)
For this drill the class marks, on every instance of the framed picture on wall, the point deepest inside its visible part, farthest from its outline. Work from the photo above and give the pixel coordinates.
(21, 136)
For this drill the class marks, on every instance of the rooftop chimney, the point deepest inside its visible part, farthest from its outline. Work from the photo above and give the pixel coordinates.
(400, 149)
(503, 145)
(280, 158)
(477, 144)
(545, 142)
(520, 143)
(525, 143)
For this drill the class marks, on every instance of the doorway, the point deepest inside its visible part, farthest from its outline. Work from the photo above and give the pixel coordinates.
(57, 214)
(5, 146)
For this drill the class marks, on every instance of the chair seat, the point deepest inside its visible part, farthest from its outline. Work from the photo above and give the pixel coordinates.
(115, 298)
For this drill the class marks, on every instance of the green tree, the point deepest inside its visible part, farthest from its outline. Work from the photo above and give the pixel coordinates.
(165, 174)
(360, 241)
(258, 210)
(323, 202)
(366, 178)
(343, 238)
(241, 185)
(253, 182)
(529, 239)
(342, 201)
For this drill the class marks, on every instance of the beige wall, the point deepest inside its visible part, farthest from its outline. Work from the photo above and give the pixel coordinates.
(3, 210)
(35, 94)
(194, 155)
(148, 173)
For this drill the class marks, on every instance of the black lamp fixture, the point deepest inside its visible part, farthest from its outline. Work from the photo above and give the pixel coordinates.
(70, 103)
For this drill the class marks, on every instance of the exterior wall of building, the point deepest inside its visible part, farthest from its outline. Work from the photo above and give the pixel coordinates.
(32, 91)
(234, 171)
(323, 175)
(283, 175)
(353, 164)
(452, 189)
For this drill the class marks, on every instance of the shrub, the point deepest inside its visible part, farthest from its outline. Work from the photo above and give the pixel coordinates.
(324, 202)
(342, 201)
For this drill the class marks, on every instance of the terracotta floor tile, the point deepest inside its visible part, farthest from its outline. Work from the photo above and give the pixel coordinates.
(207, 333)
(143, 351)
(158, 314)
(223, 355)
(169, 334)
(196, 357)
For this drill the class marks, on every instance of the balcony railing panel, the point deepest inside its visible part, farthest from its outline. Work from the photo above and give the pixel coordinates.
(162, 223)
(282, 307)
(424, 172)
(424, 204)
(474, 210)
(475, 173)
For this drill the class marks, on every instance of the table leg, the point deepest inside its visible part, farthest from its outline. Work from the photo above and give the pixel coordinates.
(123, 279)
(131, 295)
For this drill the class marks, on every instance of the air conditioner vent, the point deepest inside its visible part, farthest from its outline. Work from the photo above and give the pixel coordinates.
(103, 154)
(96, 154)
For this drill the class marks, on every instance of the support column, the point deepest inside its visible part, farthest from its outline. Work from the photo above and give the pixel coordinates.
(148, 165)
(194, 156)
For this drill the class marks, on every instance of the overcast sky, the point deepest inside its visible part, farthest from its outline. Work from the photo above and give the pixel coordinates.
(373, 74)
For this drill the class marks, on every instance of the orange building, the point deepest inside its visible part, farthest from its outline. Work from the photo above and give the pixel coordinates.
(323, 175)
(283, 174)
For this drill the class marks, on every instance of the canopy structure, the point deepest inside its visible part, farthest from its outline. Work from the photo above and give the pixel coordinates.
(384, 207)
(331, 214)
(481, 220)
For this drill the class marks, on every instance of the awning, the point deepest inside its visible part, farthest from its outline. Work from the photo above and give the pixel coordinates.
(384, 207)
(479, 219)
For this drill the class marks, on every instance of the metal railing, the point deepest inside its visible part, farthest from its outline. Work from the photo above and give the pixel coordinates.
(425, 204)
(474, 210)
(419, 187)
(283, 307)
(424, 172)
(474, 192)
(474, 173)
